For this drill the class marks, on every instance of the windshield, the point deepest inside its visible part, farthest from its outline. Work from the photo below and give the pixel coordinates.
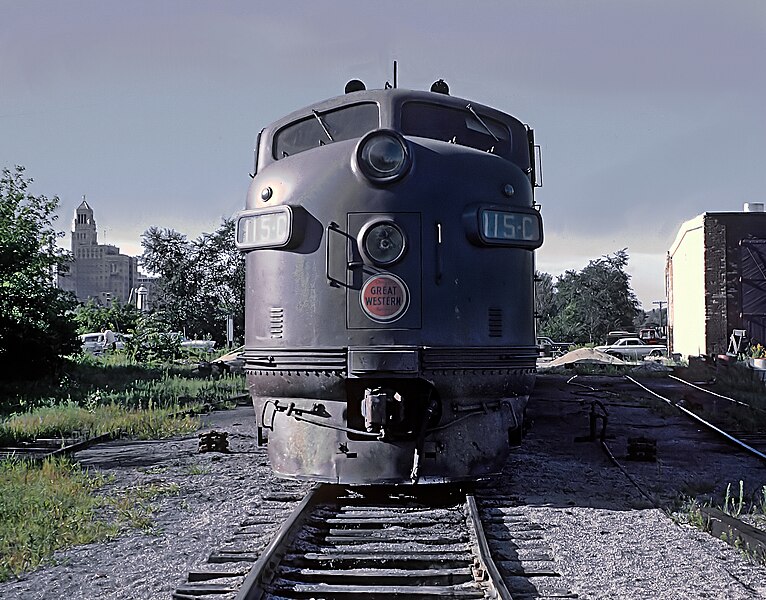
(458, 126)
(318, 129)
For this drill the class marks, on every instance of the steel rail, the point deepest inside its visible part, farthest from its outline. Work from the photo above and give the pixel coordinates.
(263, 571)
(497, 587)
(699, 419)
(40, 452)
(716, 394)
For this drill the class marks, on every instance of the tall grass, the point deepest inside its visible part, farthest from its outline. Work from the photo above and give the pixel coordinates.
(147, 409)
(55, 504)
(146, 404)
(44, 508)
(72, 421)
(87, 379)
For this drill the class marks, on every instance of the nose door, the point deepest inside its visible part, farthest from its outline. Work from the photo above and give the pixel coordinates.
(384, 271)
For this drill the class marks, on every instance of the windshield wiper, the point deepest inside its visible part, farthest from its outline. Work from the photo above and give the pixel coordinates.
(483, 124)
(322, 123)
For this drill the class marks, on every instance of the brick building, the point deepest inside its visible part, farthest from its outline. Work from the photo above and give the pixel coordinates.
(716, 281)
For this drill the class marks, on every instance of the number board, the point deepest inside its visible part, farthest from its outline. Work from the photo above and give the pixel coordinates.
(512, 226)
(264, 228)
(506, 226)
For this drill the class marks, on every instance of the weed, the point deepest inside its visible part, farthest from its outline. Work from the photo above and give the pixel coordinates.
(156, 470)
(732, 506)
(87, 381)
(688, 513)
(133, 506)
(735, 504)
(197, 470)
(45, 507)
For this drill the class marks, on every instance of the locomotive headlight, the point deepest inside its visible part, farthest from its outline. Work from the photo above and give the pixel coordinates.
(383, 156)
(383, 242)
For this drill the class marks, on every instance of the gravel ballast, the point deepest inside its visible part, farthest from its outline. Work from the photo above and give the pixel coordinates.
(607, 539)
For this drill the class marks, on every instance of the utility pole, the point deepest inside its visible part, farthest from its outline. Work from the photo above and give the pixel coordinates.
(660, 303)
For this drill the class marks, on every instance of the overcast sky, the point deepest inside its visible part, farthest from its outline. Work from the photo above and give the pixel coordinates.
(648, 112)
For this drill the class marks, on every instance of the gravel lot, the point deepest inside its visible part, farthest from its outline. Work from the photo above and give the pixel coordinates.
(608, 540)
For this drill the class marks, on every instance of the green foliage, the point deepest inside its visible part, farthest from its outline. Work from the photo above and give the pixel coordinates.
(583, 306)
(55, 505)
(89, 380)
(545, 298)
(656, 318)
(202, 281)
(92, 317)
(150, 342)
(133, 505)
(738, 504)
(35, 327)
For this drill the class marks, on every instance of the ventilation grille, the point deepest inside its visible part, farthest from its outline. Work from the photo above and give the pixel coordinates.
(495, 322)
(277, 322)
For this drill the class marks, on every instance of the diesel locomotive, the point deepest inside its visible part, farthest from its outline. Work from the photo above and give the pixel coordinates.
(389, 335)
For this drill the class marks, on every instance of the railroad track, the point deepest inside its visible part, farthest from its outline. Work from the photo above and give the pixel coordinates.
(382, 543)
(40, 449)
(695, 399)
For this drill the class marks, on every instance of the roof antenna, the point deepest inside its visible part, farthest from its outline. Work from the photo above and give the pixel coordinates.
(395, 75)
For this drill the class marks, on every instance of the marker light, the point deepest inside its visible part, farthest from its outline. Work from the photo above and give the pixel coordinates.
(384, 243)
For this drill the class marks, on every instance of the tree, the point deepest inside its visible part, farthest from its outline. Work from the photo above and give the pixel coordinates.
(545, 296)
(91, 317)
(36, 328)
(590, 303)
(202, 281)
(150, 341)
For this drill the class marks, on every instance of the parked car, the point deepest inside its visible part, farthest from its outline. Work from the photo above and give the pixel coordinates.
(94, 342)
(205, 345)
(613, 336)
(548, 347)
(633, 348)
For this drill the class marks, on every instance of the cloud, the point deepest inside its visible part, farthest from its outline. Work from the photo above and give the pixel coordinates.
(648, 112)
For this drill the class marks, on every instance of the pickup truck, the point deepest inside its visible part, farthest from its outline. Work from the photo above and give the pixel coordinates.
(633, 348)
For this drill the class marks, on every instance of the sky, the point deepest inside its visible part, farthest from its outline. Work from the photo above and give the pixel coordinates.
(648, 112)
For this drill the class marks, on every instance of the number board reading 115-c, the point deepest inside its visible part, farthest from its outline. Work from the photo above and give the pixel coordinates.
(511, 228)
(269, 228)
